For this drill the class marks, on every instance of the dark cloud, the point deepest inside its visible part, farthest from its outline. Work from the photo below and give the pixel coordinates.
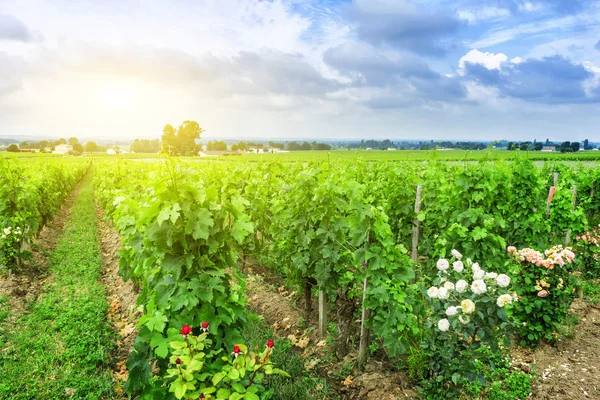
(373, 67)
(410, 27)
(12, 28)
(550, 80)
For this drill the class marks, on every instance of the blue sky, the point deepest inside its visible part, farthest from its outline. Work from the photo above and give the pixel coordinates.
(292, 69)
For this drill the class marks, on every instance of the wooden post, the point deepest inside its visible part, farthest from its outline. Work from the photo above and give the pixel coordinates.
(573, 203)
(322, 313)
(416, 223)
(551, 194)
(364, 332)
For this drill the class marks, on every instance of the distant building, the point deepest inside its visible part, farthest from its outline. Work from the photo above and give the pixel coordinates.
(392, 148)
(111, 152)
(62, 149)
(548, 148)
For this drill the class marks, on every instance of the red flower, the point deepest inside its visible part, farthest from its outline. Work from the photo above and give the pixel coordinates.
(201, 395)
(178, 361)
(186, 330)
(236, 349)
(205, 326)
(270, 343)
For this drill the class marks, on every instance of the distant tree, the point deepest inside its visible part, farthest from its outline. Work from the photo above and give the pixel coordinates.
(538, 146)
(77, 147)
(575, 146)
(292, 146)
(13, 148)
(91, 147)
(169, 140)
(216, 146)
(73, 140)
(525, 146)
(320, 146)
(305, 146)
(60, 141)
(145, 146)
(25, 145)
(586, 144)
(187, 133)
(275, 145)
(43, 144)
(235, 147)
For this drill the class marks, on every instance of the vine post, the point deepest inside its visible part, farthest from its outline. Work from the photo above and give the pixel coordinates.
(568, 237)
(551, 194)
(416, 223)
(307, 299)
(322, 313)
(364, 332)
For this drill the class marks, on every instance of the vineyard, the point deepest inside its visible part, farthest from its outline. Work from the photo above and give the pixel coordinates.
(441, 272)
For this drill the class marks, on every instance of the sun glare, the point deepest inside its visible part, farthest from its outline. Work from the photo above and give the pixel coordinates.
(115, 97)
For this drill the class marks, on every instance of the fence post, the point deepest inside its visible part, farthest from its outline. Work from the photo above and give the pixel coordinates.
(322, 313)
(416, 224)
(573, 203)
(551, 194)
(364, 332)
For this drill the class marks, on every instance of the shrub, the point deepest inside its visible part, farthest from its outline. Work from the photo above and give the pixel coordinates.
(468, 321)
(546, 289)
(587, 247)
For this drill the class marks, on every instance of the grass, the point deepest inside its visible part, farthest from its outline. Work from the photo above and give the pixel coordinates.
(302, 385)
(60, 348)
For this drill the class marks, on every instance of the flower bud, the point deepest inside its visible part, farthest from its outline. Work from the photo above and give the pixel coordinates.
(186, 330)
(270, 343)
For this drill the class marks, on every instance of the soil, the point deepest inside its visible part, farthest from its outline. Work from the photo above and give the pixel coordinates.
(123, 313)
(284, 310)
(569, 368)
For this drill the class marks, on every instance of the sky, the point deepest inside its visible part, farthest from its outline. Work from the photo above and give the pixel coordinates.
(302, 69)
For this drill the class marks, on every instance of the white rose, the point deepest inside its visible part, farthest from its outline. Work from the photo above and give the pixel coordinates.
(475, 267)
(443, 293)
(504, 300)
(451, 311)
(449, 285)
(491, 275)
(461, 286)
(464, 319)
(442, 264)
(478, 287)
(479, 274)
(444, 325)
(458, 266)
(7, 231)
(503, 280)
(433, 292)
(469, 262)
(456, 254)
(467, 306)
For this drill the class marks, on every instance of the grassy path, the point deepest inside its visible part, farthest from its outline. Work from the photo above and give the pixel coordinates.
(60, 348)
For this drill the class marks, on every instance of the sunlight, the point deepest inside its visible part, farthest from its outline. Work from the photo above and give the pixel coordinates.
(114, 98)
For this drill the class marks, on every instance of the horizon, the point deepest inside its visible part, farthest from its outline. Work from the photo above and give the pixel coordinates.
(289, 70)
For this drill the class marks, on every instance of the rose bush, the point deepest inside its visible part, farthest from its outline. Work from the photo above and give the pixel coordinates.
(546, 289)
(587, 247)
(468, 320)
(200, 370)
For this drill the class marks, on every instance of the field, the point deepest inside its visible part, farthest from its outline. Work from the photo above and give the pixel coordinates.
(304, 275)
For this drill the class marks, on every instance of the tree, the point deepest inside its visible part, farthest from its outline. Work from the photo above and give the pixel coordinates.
(586, 144)
(13, 148)
(60, 141)
(525, 146)
(91, 147)
(216, 146)
(169, 140)
(73, 141)
(305, 146)
(275, 145)
(182, 141)
(575, 146)
(293, 146)
(538, 147)
(43, 144)
(78, 147)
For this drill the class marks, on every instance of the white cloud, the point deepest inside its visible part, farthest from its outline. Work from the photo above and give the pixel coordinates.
(530, 7)
(483, 14)
(489, 60)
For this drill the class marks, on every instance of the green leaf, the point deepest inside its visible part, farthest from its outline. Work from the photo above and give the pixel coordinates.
(251, 396)
(157, 322)
(455, 378)
(217, 378)
(179, 387)
(223, 393)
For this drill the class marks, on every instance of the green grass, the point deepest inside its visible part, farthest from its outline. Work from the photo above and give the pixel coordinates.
(302, 385)
(61, 347)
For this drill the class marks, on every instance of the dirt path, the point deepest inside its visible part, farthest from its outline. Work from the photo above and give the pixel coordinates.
(121, 296)
(569, 369)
